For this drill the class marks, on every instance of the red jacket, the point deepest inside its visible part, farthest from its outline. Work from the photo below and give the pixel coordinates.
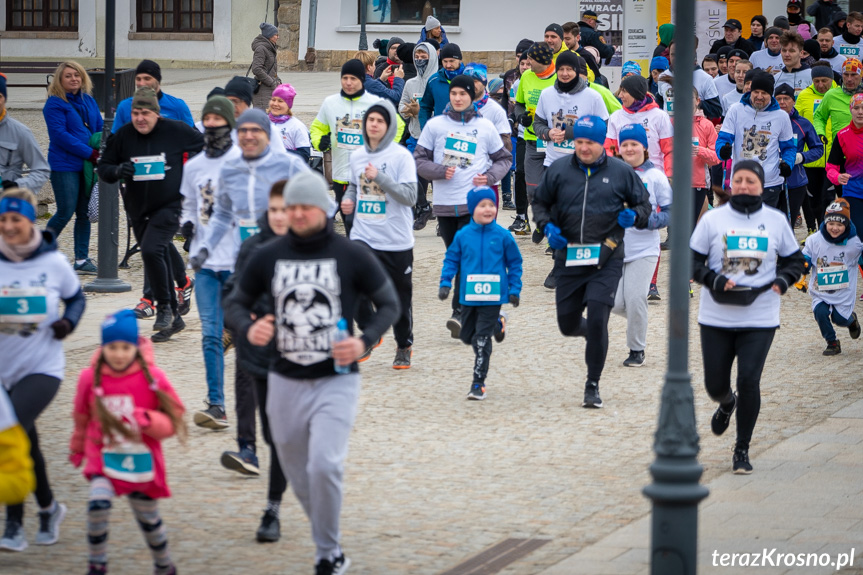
(704, 130)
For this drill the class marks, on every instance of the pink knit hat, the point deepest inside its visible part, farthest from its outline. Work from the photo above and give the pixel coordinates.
(286, 92)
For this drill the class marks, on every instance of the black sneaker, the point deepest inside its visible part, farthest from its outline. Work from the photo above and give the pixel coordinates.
(164, 318)
(549, 251)
(87, 268)
(453, 324)
(635, 359)
(653, 294)
(403, 358)
(177, 326)
(854, 328)
(665, 246)
(591, 395)
(500, 328)
(720, 420)
(338, 566)
(550, 280)
(437, 230)
(833, 348)
(244, 461)
(508, 205)
(477, 392)
(422, 218)
(97, 568)
(740, 462)
(270, 528)
(520, 226)
(145, 309)
(368, 352)
(184, 296)
(213, 417)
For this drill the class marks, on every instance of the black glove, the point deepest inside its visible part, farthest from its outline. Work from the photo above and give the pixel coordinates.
(62, 328)
(784, 169)
(325, 143)
(9, 184)
(126, 170)
(525, 120)
(824, 140)
(725, 152)
(513, 299)
(443, 293)
(188, 232)
(197, 261)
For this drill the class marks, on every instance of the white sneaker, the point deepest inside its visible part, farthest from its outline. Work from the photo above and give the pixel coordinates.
(13, 537)
(49, 525)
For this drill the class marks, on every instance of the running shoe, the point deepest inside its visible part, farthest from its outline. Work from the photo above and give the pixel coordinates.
(164, 319)
(635, 359)
(13, 538)
(270, 529)
(403, 358)
(653, 294)
(337, 566)
(720, 420)
(477, 392)
(49, 525)
(213, 417)
(591, 395)
(145, 309)
(500, 328)
(164, 335)
(740, 462)
(550, 280)
(184, 296)
(508, 205)
(422, 218)
(520, 226)
(243, 461)
(87, 268)
(368, 352)
(97, 568)
(833, 348)
(854, 328)
(453, 324)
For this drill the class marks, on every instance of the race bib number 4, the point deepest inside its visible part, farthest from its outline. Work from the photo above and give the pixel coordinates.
(371, 207)
(149, 168)
(832, 278)
(130, 462)
(348, 138)
(746, 244)
(482, 287)
(23, 306)
(582, 255)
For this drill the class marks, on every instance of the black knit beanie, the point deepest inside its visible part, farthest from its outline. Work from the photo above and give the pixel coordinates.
(635, 86)
(464, 82)
(151, 68)
(568, 58)
(450, 51)
(763, 81)
(354, 68)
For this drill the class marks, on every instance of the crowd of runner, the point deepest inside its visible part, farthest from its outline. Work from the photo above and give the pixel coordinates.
(778, 130)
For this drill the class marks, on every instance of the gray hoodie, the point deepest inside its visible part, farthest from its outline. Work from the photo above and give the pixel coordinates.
(416, 87)
(405, 194)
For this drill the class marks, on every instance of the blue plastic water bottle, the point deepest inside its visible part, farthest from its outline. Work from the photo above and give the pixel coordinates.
(341, 333)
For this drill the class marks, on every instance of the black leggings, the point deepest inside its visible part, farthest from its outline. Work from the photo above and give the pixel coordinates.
(719, 348)
(339, 190)
(178, 269)
(278, 484)
(520, 181)
(398, 266)
(813, 207)
(29, 398)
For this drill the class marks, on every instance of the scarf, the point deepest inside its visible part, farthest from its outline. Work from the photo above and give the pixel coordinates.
(636, 106)
(746, 204)
(421, 66)
(547, 73)
(566, 87)
(279, 119)
(857, 90)
(842, 237)
(358, 94)
(217, 141)
(451, 74)
(3, 115)
(392, 77)
(19, 253)
(482, 101)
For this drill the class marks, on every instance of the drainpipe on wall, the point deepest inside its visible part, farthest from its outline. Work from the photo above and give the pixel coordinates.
(276, 13)
(313, 24)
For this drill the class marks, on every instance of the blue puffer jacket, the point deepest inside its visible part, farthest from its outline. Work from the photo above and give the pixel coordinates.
(424, 37)
(436, 96)
(70, 125)
(170, 107)
(807, 139)
(483, 249)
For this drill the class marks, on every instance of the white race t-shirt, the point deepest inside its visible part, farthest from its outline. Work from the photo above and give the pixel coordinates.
(764, 236)
(842, 258)
(656, 123)
(639, 244)
(562, 110)
(293, 134)
(465, 146)
(48, 277)
(199, 186)
(392, 230)
(756, 137)
(494, 112)
(846, 49)
(798, 80)
(762, 59)
(730, 99)
(724, 85)
(701, 81)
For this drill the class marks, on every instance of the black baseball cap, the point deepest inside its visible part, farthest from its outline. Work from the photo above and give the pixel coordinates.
(732, 23)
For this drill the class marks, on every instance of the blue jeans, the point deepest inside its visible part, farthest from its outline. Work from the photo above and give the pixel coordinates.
(208, 296)
(71, 199)
(823, 316)
(506, 187)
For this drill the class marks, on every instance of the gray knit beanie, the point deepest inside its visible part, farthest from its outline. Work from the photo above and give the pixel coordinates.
(432, 23)
(308, 188)
(268, 30)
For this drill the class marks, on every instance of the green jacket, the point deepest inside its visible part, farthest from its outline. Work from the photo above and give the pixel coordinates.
(835, 111)
(808, 101)
(90, 177)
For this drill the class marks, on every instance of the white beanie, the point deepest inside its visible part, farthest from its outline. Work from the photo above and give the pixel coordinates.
(432, 23)
(308, 188)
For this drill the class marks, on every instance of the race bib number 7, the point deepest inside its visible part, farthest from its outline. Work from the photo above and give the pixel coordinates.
(149, 168)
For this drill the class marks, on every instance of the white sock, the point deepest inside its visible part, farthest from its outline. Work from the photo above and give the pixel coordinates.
(79, 262)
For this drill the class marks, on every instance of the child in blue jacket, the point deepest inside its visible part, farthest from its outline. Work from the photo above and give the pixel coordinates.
(487, 261)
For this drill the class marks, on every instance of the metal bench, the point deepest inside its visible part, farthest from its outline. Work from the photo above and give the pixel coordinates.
(16, 67)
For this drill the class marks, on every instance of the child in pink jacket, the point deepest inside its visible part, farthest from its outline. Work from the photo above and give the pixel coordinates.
(703, 157)
(124, 407)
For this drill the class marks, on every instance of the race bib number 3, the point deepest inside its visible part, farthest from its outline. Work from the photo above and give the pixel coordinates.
(149, 168)
(832, 278)
(482, 287)
(371, 207)
(582, 255)
(349, 139)
(23, 305)
(746, 244)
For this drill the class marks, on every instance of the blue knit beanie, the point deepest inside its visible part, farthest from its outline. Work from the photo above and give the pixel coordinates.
(476, 195)
(477, 72)
(590, 128)
(122, 326)
(3, 85)
(633, 132)
(659, 63)
(630, 67)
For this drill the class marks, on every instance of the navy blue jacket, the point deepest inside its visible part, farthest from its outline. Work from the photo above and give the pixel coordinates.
(804, 136)
(70, 125)
(435, 98)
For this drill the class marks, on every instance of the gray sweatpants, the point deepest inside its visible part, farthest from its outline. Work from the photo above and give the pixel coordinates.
(631, 300)
(533, 169)
(310, 422)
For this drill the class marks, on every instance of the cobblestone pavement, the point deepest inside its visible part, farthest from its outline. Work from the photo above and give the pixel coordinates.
(432, 479)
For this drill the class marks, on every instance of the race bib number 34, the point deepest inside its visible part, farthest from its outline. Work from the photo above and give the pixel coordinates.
(482, 287)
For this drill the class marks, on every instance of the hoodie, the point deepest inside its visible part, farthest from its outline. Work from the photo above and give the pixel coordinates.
(486, 250)
(823, 11)
(833, 111)
(383, 207)
(29, 345)
(243, 193)
(808, 147)
(820, 252)
(559, 109)
(128, 396)
(660, 132)
(761, 135)
(424, 37)
(416, 87)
